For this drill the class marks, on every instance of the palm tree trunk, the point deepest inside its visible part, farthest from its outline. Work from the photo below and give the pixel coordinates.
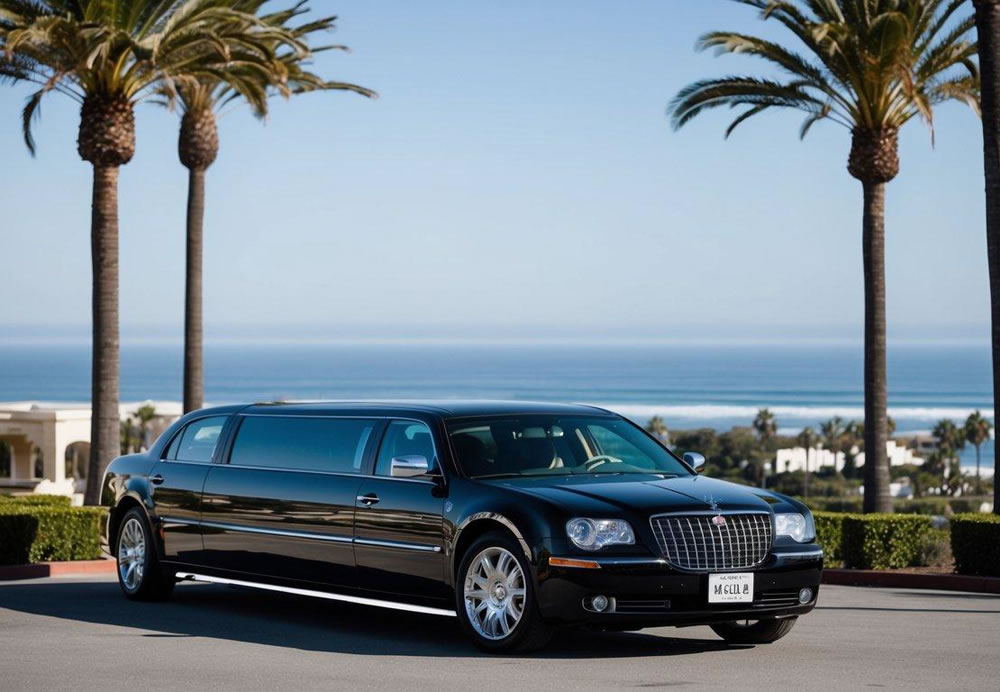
(877, 497)
(988, 28)
(105, 430)
(194, 367)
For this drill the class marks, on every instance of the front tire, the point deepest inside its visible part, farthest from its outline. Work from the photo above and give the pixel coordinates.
(139, 573)
(759, 632)
(495, 597)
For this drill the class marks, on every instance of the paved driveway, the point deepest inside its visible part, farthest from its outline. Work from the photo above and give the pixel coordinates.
(58, 634)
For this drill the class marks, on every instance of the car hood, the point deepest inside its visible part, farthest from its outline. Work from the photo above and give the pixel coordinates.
(646, 494)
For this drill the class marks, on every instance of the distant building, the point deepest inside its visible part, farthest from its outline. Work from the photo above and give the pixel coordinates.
(816, 459)
(45, 447)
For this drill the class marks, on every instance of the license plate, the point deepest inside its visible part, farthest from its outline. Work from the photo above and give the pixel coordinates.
(734, 587)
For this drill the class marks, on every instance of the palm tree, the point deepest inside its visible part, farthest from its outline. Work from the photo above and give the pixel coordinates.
(832, 433)
(988, 30)
(977, 432)
(658, 428)
(807, 439)
(766, 428)
(950, 439)
(198, 146)
(109, 56)
(872, 66)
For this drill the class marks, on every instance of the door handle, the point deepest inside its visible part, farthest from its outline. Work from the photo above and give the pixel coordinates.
(368, 500)
(156, 480)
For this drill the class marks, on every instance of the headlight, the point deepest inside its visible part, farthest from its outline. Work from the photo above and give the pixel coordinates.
(797, 526)
(594, 534)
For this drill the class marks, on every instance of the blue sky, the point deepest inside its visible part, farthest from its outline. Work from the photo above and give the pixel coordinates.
(517, 175)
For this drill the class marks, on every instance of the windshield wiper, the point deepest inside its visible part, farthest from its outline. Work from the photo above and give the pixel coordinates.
(498, 475)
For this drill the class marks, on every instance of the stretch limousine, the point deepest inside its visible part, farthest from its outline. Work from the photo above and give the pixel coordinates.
(515, 518)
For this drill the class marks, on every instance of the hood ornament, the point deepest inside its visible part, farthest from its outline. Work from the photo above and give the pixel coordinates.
(710, 501)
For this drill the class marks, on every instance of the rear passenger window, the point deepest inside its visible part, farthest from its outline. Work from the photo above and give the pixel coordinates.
(335, 445)
(197, 441)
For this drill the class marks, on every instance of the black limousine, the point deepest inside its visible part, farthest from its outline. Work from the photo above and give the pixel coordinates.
(515, 518)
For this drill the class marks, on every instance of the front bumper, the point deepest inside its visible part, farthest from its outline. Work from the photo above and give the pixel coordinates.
(647, 592)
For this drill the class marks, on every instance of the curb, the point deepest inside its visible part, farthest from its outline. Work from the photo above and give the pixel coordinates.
(57, 569)
(909, 580)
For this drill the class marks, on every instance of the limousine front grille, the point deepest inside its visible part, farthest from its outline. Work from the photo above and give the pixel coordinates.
(707, 542)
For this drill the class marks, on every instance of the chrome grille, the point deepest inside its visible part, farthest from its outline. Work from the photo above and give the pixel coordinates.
(695, 542)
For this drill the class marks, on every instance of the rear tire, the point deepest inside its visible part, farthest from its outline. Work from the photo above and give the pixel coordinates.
(495, 597)
(760, 632)
(140, 575)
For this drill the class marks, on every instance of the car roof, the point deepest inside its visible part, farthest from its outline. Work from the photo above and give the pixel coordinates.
(445, 408)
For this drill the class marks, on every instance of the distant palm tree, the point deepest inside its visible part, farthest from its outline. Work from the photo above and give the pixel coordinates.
(766, 428)
(977, 432)
(658, 428)
(198, 145)
(872, 66)
(832, 433)
(109, 56)
(807, 439)
(988, 30)
(950, 439)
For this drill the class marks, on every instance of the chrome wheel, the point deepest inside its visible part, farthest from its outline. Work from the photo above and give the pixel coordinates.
(494, 593)
(131, 554)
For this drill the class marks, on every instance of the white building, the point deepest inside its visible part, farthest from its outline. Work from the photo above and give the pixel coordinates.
(45, 447)
(816, 459)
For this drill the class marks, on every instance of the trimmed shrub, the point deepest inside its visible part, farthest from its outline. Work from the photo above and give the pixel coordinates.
(37, 500)
(39, 533)
(935, 548)
(923, 505)
(884, 541)
(833, 504)
(829, 535)
(975, 542)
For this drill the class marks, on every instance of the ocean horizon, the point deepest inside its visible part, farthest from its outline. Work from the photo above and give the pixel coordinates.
(712, 385)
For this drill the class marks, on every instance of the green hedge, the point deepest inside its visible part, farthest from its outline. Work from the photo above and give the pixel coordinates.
(37, 500)
(39, 533)
(829, 535)
(921, 505)
(975, 543)
(884, 541)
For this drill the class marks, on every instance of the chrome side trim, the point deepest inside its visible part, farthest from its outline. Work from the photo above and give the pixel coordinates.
(178, 520)
(396, 544)
(304, 534)
(267, 532)
(378, 603)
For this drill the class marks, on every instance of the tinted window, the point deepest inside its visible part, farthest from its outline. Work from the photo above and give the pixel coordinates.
(197, 442)
(404, 438)
(558, 446)
(310, 444)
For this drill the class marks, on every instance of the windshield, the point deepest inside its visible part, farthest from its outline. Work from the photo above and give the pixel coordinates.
(539, 445)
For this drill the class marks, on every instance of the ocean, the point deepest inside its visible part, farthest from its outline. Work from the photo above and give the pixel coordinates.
(717, 386)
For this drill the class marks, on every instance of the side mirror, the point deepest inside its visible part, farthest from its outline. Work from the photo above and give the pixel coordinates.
(408, 466)
(695, 460)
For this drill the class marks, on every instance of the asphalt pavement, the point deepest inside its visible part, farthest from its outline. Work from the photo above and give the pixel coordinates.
(81, 634)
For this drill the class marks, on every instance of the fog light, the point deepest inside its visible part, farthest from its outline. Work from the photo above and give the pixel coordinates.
(805, 595)
(599, 603)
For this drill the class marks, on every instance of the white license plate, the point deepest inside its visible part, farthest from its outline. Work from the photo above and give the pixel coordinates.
(734, 587)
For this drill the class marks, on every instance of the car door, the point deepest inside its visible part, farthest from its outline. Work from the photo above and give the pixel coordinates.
(282, 504)
(176, 483)
(398, 525)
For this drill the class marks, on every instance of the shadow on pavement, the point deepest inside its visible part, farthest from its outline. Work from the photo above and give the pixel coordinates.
(276, 619)
(946, 594)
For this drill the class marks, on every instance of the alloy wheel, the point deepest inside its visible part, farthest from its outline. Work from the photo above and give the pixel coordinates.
(494, 593)
(132, 554)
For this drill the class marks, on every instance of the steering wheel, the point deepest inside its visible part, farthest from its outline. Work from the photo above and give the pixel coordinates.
(593, 462)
